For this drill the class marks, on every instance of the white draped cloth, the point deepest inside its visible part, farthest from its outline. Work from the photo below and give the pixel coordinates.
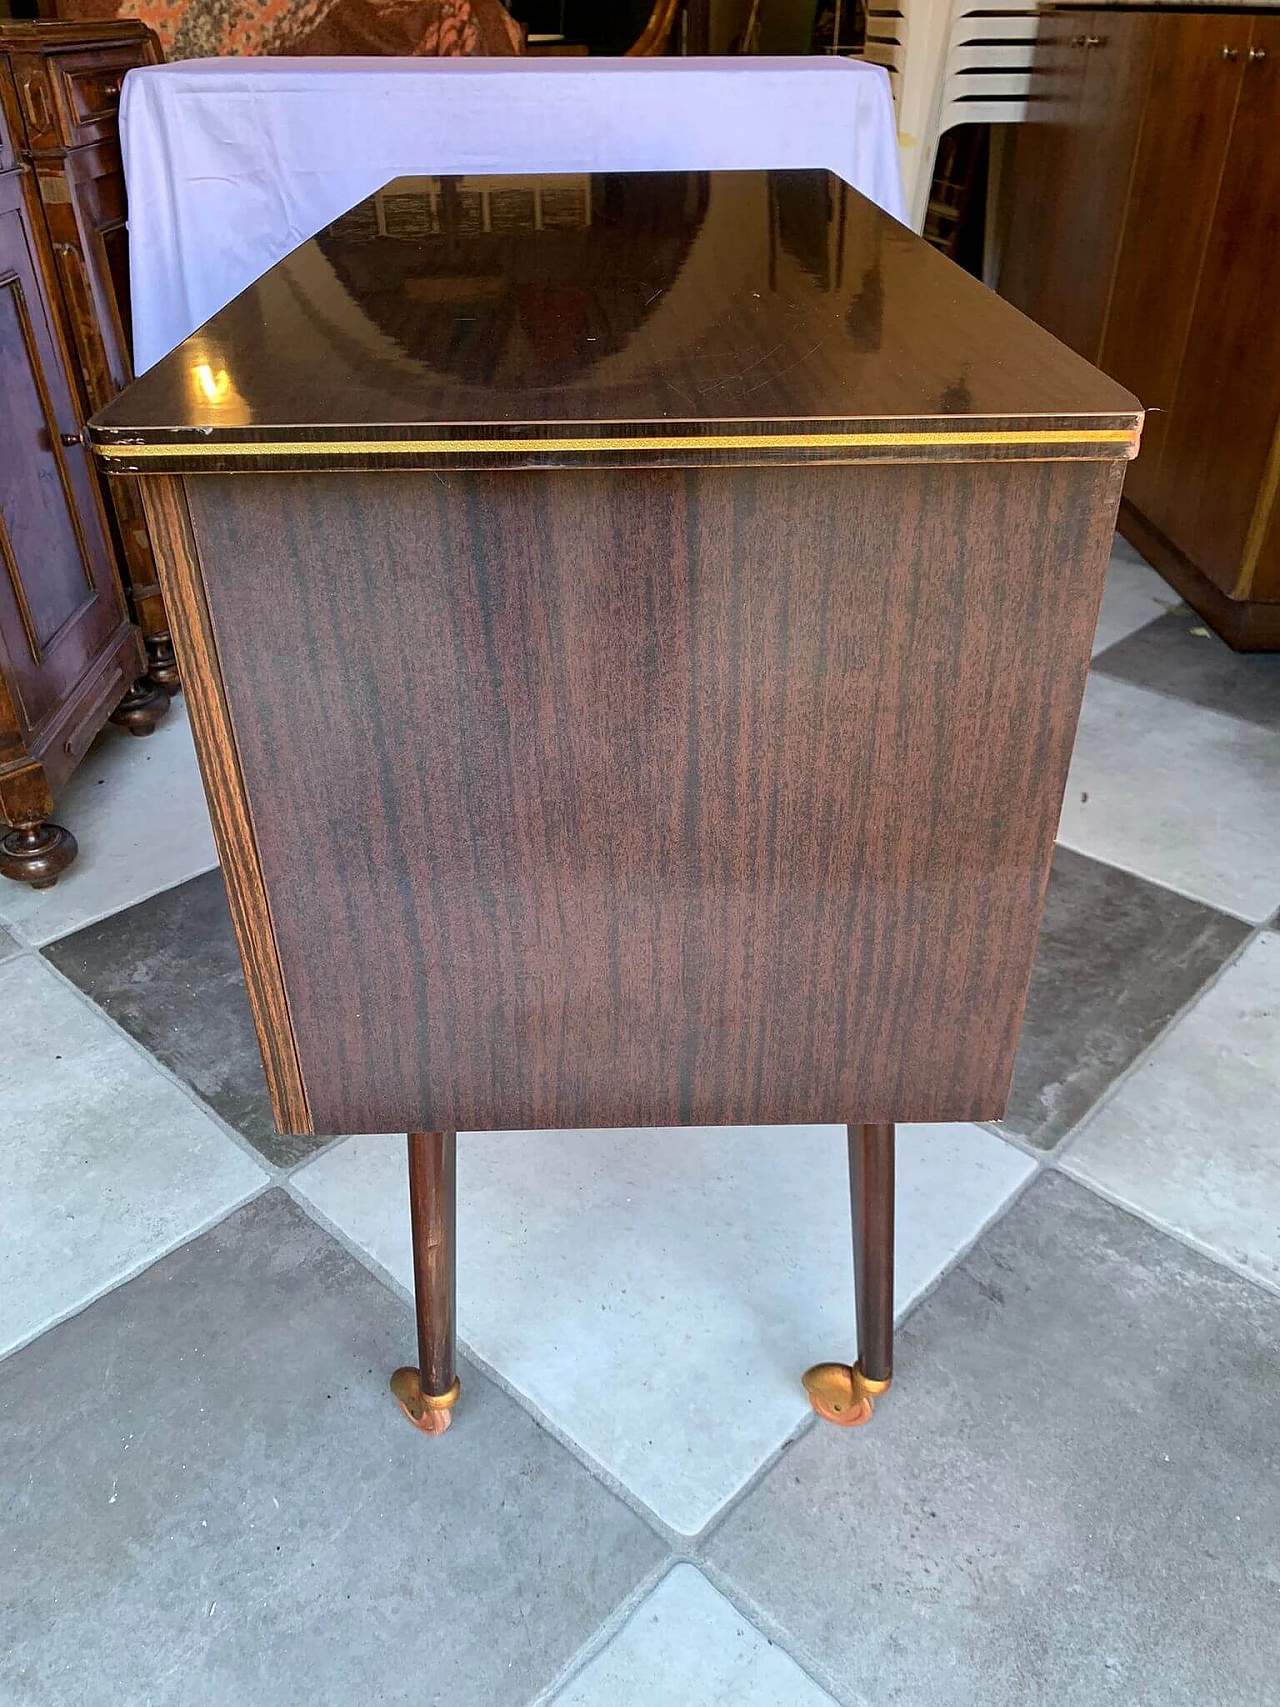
(231, 163)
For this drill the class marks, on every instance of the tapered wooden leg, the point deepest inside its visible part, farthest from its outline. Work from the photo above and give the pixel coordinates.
(428, 1393)
(840, 1393)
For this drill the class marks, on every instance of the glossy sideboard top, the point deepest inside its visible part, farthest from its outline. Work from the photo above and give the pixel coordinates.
(676, 317)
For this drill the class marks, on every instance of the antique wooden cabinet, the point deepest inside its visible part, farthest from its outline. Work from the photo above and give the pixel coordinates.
(68, 653)
(634, 628)
(64, 81)
(1143, 221)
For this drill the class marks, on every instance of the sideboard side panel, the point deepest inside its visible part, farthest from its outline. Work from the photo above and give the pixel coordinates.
(655, 796)
(233, 829)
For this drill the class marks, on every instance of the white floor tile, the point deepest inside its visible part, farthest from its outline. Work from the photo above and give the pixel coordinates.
(1192, 1140)
(137, 810)
(1174, 792)
(104, 1164)
(1134, 596)
(657, 1294)
(685, 1645)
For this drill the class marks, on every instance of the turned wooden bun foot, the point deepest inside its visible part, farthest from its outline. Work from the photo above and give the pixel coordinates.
(162, 664)
(842, 1395)
(141, 708)
(432, 1414)
(37, 854)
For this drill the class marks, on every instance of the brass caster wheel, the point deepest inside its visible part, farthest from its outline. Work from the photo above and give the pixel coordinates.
(842, 1395)
(429, 1412)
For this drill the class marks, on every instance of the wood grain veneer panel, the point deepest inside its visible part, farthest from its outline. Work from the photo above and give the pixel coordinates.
(655, 797)
(220, 767)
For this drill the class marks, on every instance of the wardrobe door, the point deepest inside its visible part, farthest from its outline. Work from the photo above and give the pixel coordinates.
(1219, 463)
(1198, 64)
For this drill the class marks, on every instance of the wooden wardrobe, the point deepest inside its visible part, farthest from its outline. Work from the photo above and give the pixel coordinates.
(70, 657)
(1143, 229)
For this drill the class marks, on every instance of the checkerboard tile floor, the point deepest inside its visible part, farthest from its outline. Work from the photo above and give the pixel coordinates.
(1071, 1496)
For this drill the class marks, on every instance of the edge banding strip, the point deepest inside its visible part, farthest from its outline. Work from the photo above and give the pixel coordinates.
(720, 441)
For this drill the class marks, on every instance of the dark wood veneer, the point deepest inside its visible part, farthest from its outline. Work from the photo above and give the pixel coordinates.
(691, 305)
(601, 798)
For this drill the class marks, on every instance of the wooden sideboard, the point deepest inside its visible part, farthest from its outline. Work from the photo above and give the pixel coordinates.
(634, 659)
(1143, 227)
(68, 652)
(64, 81)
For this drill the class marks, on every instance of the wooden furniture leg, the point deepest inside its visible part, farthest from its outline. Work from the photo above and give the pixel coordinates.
(837, 1392)
(428, 1394)
(141, 708)
(36, 854)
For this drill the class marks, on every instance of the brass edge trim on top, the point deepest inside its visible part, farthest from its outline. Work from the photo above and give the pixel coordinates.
(721, 441)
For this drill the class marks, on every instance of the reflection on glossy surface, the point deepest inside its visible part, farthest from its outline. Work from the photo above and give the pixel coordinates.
(500, 285)
(658, 297)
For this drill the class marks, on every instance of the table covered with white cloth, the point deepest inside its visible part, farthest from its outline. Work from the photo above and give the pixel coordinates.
(232, 163)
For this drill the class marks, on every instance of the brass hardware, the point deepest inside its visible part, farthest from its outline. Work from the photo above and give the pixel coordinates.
(1088, 41)
(118, 449)
(1231, 53)
(71, 440)
(841, 1394)
(111, 88)
(431, 1412)
(1256, 53)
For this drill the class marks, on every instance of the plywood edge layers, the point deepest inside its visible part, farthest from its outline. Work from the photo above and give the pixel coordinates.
(177, 561)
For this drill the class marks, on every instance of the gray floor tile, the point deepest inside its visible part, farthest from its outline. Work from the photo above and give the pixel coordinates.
(686, 1646)
(1134, 595)
(1071, 1496)
(167, 970)
(671, 1266)
(1117, 958)
(1179, 654)
(1178, 793)
(8, 947)
(138, 811)
(209, 1497)
(105, 1164)
(1190, 1141)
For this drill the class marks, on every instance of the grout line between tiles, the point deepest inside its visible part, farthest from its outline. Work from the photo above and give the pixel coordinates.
(1177, 698)
(671, 1538)
(28, 941)
(1158, 882)
(604, 1632)
(1187, 1240)
(1047, 1157)
(192, 1095)
(681, 1547)
(1073, 1133)
(140, 1267)
(775, 1633)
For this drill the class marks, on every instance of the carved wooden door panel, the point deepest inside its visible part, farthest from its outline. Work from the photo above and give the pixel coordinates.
(60, 604)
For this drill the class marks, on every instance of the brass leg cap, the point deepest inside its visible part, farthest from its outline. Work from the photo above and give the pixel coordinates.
(431, 1412)
(842, 1395)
